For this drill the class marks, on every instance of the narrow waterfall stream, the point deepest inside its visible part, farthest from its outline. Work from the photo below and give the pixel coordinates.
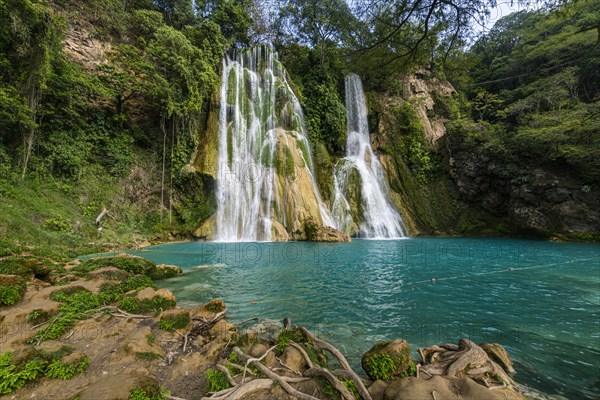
(370, 214)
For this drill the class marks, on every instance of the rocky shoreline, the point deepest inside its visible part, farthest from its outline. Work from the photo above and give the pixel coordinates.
(100, 329)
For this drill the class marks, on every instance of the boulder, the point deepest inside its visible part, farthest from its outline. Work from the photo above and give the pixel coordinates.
(316, 232)
(221, 327)
(258, 350)
(412, 388)
(150, 293)
(387, 360)
(377, 390)
(498, 354)
(169, 271)
(293, 359)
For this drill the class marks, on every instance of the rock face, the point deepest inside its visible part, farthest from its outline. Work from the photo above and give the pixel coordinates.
(421, 88)
(542, 200)
(387, 360)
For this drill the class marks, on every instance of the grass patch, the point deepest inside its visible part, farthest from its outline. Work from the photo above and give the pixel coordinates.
(78, 302)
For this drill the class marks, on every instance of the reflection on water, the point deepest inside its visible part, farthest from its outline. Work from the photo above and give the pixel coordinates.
(539, 299)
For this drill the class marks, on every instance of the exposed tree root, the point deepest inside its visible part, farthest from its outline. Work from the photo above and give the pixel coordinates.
(339, 386)
(322, 345)
(272, 375)
(465, 360)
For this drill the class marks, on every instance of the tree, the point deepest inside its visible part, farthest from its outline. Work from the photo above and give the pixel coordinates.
(177, 13)
(31, 37)
(320, 24)
(129, 74)
(232, 17)
(450, 21)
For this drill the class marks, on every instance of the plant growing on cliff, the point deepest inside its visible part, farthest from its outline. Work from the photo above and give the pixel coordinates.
(9, 295)
(12, 378)
(63, 370)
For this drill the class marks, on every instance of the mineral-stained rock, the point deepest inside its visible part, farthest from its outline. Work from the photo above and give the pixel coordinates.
(396, 350)
(317, 232)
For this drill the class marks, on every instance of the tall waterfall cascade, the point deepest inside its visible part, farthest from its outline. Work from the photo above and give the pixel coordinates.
(361, 205)
(266, 188)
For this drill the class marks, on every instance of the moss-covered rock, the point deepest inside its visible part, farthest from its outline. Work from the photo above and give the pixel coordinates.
(387, 360)
(132, 264)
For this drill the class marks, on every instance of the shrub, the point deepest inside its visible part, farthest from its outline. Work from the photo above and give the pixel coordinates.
(58, 223)
(216, 380)
(153, 393)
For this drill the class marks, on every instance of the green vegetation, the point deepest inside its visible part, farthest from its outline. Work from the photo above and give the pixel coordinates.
(381, 366)
(174, 321)
(13, 376)
(62, 370)
(410, 143)
(9, 295)
(79, 302)
(216, 380)
(37, 316)
(131, 264)
(147, 356)
(149, 393)
(285, 337)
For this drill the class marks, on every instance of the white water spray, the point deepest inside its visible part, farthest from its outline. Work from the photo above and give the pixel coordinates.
(379, 218)
(264, 154)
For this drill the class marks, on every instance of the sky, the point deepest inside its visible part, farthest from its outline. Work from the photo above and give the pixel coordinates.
(503, 8)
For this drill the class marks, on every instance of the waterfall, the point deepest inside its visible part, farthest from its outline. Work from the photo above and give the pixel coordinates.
(360, 203)
(265, 183)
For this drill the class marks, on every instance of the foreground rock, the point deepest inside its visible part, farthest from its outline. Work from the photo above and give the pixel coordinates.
(387, 360)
